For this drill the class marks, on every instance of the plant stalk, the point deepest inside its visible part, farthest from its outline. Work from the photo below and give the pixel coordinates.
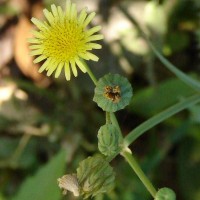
(135, 166)
(153, 121)
(92, 76)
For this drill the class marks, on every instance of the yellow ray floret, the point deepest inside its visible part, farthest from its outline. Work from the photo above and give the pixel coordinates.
(63, 41)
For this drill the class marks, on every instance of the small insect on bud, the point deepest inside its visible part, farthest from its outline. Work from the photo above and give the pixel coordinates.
(69, 182)
(113, 92)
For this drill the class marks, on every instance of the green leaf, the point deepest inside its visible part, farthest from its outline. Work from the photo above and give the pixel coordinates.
(43, 185)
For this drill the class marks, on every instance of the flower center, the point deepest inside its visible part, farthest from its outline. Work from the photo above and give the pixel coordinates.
(64, 41)
(112, 93)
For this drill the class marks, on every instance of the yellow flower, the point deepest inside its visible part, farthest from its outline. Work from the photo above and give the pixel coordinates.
(63, 40)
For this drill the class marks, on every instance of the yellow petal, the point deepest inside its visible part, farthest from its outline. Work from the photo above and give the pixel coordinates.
(67, 71)
(93, 30)
(34, 40)
(39, 59)
(45, 64)
(36, 52)
(49, 16)
(88, 19)
(81, 66)
(92, 56)
(74, 69)
(73, 13)
(94, 37)
(61, 14)
(54, 11)
(94, 45)
(52, 63)
(52, 69)
(84, 56)
(68, 8)
(37, 34)
(39, 24)
(82, 16)
(59, 69)
(36, 46)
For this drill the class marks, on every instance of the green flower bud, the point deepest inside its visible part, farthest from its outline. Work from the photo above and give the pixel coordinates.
(95, 176)
(165, 194)
(113, 92)
(108, 140)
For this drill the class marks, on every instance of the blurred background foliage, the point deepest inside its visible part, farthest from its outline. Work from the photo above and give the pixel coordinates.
(47, 125)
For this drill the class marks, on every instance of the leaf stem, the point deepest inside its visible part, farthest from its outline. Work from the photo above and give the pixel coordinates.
(135, 166)
(182, 76)
(145, 126)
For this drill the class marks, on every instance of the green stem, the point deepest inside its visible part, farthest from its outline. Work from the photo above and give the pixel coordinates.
(145, 126)
(135, 166)
(182, 76)
(112, 115)
(115, 122)
(108, 121)
(92, 76)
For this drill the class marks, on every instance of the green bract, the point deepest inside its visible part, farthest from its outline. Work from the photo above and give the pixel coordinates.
(108, 140)
(165, 194)
(113, 92)
(95, 176)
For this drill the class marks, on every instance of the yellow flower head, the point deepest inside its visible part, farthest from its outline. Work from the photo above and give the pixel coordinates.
(63, 40)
